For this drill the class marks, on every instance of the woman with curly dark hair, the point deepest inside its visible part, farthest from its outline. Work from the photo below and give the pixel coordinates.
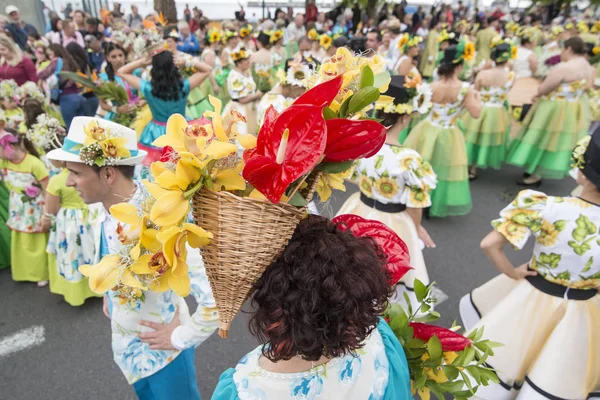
(316, 314)
(166, 92)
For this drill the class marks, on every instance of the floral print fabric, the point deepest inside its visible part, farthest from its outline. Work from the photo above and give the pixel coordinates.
(495, 96)
(364, 375)
(447, 114)
(568, 91)
(567, 236)
(396, 175)
(239, 85)
(26, 201)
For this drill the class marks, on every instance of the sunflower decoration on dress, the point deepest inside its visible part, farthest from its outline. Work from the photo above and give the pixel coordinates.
(578, 155)
(325, 41)
(214, 35)
(276, 36)
(245, 208)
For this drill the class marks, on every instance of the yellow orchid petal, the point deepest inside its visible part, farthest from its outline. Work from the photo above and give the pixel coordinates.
(197, 237)
(180, 266)
(230, 180)
(126, 213)
(102, 276)
(170, 208)
(176, 125)
(149, 241)
(179, 284)
(157, 168)
(140, 266)
(135, 251)
(128, 279)
(255, 194)
(217, 149)
(168, 180)
(154, 189)
(247, 141)
(186, 173)
(168, 238)
(161, 284)
(215, 117)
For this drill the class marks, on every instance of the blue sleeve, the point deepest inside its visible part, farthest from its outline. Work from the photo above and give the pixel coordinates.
(138, 72)
(195, 47)
(226, 389)
(146, 88)
(182, 47)
(399, 377)
(186, 87)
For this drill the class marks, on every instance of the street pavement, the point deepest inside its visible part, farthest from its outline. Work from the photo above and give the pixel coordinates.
(75, 360)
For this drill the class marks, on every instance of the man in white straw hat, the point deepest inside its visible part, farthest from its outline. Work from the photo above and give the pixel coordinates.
(153, 338)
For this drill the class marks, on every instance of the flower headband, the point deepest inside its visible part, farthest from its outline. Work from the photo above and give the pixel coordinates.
(445, 35)
(503, 50)
(298, 74)
(228, 35)
(245, 31)
(213, 36)
(276, 36)
(465, 51)
(583, 27)
(595, 27)
(313, 35)
(239, 55)
(326, 41)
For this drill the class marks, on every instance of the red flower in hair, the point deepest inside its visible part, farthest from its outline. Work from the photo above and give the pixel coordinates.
(398, 262)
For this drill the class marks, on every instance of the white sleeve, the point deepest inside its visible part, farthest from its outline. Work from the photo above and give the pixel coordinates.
(205, 319)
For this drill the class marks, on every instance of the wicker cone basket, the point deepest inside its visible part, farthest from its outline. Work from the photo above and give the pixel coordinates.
(248, 235)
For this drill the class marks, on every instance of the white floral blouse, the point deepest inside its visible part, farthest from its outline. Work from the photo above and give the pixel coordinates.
(495, 96)
(567, 236)
(447, 114)
(396, 175)
(240, 85)
(571, 91)
(361, 376)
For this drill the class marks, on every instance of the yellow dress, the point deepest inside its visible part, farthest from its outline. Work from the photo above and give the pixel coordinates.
(429, 57)
(483, 42)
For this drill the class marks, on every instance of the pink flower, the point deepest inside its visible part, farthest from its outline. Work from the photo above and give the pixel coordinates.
(32, 192)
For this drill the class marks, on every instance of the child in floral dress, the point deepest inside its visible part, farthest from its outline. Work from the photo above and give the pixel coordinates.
(26, 176)
(71, 242)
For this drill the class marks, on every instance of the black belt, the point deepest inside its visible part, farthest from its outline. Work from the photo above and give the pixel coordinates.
(556, 290)
(388, 208)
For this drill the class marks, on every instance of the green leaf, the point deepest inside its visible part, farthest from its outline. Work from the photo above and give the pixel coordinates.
(328, 113)
(466, 380)
(560, 225)
(408, 304)
(425, 308)
(297, 200)
(434, 348)
(588, 265)
(420, 382)
(474, 372)
(362, 99)
(450, 372)
(335, 167)
(420, 290)
(366, 77)
(344, 107)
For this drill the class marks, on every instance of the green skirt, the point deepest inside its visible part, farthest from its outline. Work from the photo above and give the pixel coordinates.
(194, 100)
(4, 230)
(28, 258)
(75, 293)
(444, 148)
(414, 120)
(487, 137)
(548, 136)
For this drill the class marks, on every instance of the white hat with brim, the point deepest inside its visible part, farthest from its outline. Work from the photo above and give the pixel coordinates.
(10, 9)
(70, 149)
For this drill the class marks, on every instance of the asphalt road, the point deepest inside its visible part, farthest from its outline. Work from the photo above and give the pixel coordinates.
(75, 361)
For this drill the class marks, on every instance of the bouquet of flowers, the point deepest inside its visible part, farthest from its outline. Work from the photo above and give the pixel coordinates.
(45, 132)
(245, 208)
(440, 361)
(8, 89)
(147, 42)
(31, 90)
(262, 78)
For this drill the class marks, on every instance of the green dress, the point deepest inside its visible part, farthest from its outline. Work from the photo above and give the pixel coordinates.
(28, 258)
(550, 132)
(487, 136)
(430, 54)
(71, 243)
(4, 230)
(440, 141)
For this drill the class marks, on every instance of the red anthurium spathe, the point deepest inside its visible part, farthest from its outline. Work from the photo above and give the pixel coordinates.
(451, 341)
(353, 139)
(398, 262)
(288, 146)
(321, 95)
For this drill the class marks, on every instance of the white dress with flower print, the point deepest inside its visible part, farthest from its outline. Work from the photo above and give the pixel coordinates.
(361, 376)
(240, 86)
(567, 236)
(396, 175)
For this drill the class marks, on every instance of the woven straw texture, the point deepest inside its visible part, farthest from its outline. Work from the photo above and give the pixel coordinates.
(248, 235)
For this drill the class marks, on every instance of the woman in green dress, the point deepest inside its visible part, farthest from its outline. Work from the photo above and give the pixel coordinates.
(210, 87)
(440, 141)
(487, 136)
(429, 56)
(557, 120)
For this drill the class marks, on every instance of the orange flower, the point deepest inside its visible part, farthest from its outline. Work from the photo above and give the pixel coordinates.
(413, 79)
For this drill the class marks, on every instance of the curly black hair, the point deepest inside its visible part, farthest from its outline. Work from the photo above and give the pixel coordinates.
(167, 83)
(322, 296)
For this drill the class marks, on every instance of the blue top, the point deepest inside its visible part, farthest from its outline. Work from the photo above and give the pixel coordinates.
(190, 45)
(381, 362)
(96, 59)
(161, 111)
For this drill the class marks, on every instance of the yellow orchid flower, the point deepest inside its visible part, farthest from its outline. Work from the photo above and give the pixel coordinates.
(377, 64)
(327, 182)
(147, 239)
(102, 276)
(176, 126)
(170, 207)
(93, 133)
(115, 147)
(229, 179)
(179, 284)
(329, 70)
(215, 117)
(126, 213)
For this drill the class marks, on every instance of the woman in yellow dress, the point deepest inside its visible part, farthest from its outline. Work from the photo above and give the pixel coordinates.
(430, 53)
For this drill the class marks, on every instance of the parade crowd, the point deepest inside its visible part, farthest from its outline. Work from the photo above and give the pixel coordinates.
(103, 117)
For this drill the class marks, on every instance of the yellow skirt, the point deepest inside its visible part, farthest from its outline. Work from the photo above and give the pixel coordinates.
(551, 343)
(404, 226)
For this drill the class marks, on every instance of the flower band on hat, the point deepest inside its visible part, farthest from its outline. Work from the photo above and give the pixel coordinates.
(239, 55)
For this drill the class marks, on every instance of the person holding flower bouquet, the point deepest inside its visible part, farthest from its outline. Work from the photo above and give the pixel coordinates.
(153, 334)
(326, 341)
(166, 92)
(439, 139)
(546, 312)
(26, 176)
(243, 93)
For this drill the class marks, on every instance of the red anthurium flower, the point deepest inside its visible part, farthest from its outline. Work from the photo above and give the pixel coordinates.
(321, 95)
(351, 139)
(398, 262)
(451, 341)
(288, 146)
(168, 154)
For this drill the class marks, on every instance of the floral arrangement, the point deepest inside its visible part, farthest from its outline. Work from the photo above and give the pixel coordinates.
(123, 38)
(511, 49)
(325, 41)
(310, 139)
(102, 146)
(228, 35)
(9, 89)
(276, 36)
(445, 35)
(148, 42)
(419, 97)
(298, 74)
(45, 132)
(30, 90)
(441, 361)
(407, 41)
(595, 27)
(577, 158)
